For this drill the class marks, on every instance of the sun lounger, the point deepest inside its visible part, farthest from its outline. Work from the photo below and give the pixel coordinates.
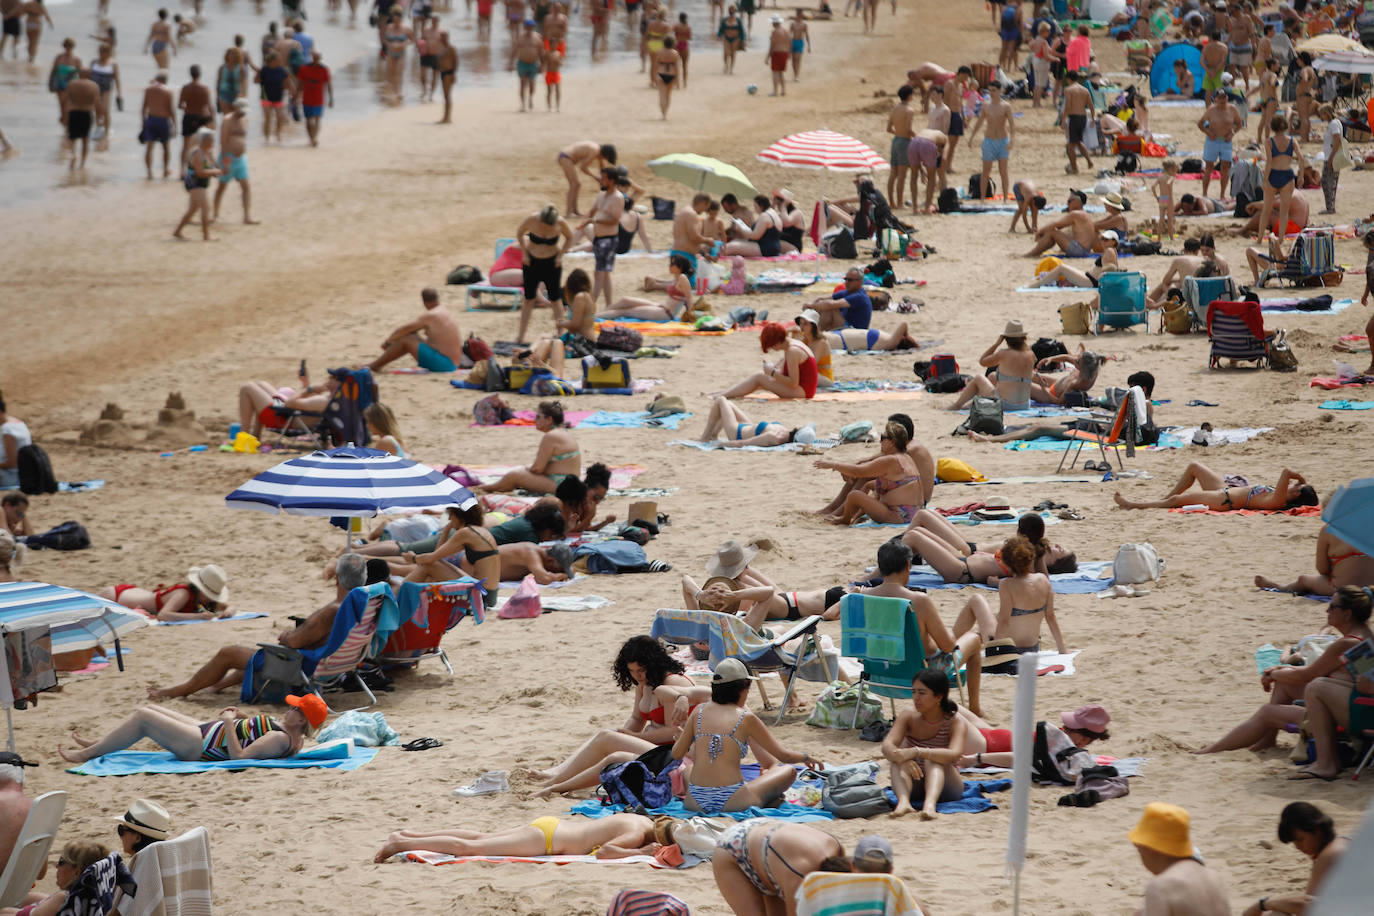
(30, 851)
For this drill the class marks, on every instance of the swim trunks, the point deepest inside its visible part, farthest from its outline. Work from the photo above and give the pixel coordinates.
(996, 149)
(798, 46)
(603, 246)
(190, 123)
(1211, 82)
(430, 61)
(546, 271)
(232, 168)
(526, 69)
(956, 124)
(1241, 56)
(924, 151)
(1077, 124)
(156, 129)
(553, 77)
(78, 124)
(898, 151)
(1075, 249)
(778, 60)
(561, 47)
(1216, 150)
(431, 359)
(313, 111)
(12, 26)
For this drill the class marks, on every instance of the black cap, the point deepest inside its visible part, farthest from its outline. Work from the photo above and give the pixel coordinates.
(11, 759)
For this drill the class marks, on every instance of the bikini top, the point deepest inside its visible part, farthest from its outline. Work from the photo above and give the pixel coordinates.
(543, 240)
(475, 556)
(1023, 611)
(1274, 150)
(884, 487)
(716, 742)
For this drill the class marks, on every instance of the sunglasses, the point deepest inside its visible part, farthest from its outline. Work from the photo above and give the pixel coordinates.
(884, 438)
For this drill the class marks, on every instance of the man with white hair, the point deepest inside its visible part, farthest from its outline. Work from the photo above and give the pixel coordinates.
(233, 157)
(14, 804)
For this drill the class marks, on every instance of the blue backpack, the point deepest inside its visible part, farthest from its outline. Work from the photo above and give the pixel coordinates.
(644, 782)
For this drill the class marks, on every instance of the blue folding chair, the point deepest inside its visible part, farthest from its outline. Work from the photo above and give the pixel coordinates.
(884, 635)
(1121, 300)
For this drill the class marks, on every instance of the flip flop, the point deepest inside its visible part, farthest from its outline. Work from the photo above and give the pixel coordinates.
(422, 744)
(1308, 774)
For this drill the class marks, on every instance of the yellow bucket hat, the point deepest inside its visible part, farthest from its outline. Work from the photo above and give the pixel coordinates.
(1164, 828)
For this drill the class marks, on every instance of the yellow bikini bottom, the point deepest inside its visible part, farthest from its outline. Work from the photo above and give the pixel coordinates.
(546, 826)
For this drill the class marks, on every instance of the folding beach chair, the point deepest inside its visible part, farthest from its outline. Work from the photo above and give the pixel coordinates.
(1123, 431)
(173, 877)
(885, 636)
(1121, 300)
(1310, 262)
(854, 894)
(340, 423)
(730, 637)
(429, 610)
(500, 298)
(30, 852)
(1237, 333)
(1200, 292)
(1362, 726)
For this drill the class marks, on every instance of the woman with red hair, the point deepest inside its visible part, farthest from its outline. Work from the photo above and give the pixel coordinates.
(793, 376)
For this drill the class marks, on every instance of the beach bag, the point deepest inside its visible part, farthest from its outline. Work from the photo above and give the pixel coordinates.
(1178, 318)
(842, 246)
(644, 782)
(553, 387)
(1047, 767)
(1127, 163)
(984, 416)
(1046, 347)
(1136, 563)
(605, 372)
(496, 378)
(1192, 166)
(892, 243)
(975, 186)
(1076, 317)
(663, 209)
(66, 536)
(28, 654)
(941, 365)
(856, 432)
(1281, 356)
(35, 471)
(850, 793)
(836, 705)
(947, 384)
(491, 411)
(948, 201)
(953, 470)
(524, 603)
(463, 274)
(1096, 784)
(619, 337)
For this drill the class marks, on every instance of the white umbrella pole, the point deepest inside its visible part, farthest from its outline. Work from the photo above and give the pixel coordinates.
(1023, 747)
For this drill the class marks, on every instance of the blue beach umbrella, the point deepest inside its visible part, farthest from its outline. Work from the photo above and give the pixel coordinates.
(1349, 513)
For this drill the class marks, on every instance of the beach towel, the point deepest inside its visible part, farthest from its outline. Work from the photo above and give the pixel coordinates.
(1331, 384)
(1064, 290)
(177, 623)
(777, 280)
(1297, 511)
(963, 518)
(784, 812)
(1050, 478)
(621, 474)
(973, 801)
(664, 328)
(1087, 580)
(1287, 305)
(79, 486)
(526, 418)
(855, 390)
(718, 445)
(338, 755)
(174, 878)
(1182, 436)
(1346, 405)
(632, 419)
(1046, 659)
(438, 858)
(638, 386)
(1352, 343)
(823, 894)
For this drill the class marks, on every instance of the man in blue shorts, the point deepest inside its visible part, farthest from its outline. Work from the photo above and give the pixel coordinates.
(845, 308)
(441, 349)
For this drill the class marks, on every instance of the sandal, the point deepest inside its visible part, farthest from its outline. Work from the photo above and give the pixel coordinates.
(422, 744)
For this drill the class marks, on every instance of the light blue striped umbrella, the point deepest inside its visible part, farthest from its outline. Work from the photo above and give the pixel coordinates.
(351, 482)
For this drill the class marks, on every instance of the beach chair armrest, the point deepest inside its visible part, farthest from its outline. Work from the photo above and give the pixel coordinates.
(801, 628)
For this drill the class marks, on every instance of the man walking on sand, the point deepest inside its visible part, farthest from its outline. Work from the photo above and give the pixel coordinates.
(801, 42)
(441, 348)
(197, 109)
(13, 17)
(316, 85)
(447, 57)
(233, 158)
(997, 117)
(1182, 885)
(607, 209)
(528, 50)
(1219, 123)
(158, 120)
(779, 53)
(953, 91)
(899, 124)
(83, 95)
(1078, 106)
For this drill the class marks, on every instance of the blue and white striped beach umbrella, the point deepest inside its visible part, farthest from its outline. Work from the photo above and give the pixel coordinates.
(351, 482)
(77, 620)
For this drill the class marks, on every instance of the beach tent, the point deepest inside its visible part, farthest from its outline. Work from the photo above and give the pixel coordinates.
(1104, 10)
(1162, 73)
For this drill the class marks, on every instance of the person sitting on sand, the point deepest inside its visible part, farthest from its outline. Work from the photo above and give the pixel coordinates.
(1073, 232)
(1348, 613)
(229, 737)
(718, 737)
(734, 561)
(730, 420)
(1015, 371)
(745, 856)
(1313, 834)
(204, 595)
(793, 376)
(441, 348)
(925, 464)
(12, 556)
(850, 306)
(1289, 492)
(761, 603)
(1081, 377)
(1182, 885)
(615, 837)
(1329, 702)
(469, 550)
(558, 456)
(763, 239)
(859, 340)
(808, 330)
(663, 698)
(1185, 265)
(924, 745)
(679, 298)
(384, 430)
(14, 514)
(1064, 747)
(1026, 601)
(897, 491)
(1337, 564)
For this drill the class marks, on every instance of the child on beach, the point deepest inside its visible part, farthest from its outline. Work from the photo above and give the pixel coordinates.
(553, 79)
(1163, 190)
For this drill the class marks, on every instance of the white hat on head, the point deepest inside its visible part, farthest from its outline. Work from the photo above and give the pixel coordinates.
(148, 818)
(210, 581)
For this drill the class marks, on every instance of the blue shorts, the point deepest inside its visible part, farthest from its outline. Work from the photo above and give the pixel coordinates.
(232, 168)
(313, 111)
(1216, 151)
(798, 46)
(431, 359)
(994, 150)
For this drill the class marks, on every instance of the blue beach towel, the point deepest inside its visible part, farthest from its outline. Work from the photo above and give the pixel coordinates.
(972, 801)
(1346, 405)
(785, 812)
(334, 756)
(1083, 582)
(630, 419)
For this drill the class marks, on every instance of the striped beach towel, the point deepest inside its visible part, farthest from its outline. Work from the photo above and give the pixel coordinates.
(173, 877)
(646, 903)
(837, 894)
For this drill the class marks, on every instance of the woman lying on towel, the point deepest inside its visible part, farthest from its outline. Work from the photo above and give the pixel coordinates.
(204, 595)
(857, 340)
(793, 376)
(1348, 614)
(718, 737)
(760, 863)
(740, 431)
(761, 603)
(1063, 274)
(1081, 728)
(1289, 492)
(614, 837)
(558, 456)
(897, 492)
(940, 545)
(230, 737)
(1338, 564)
(679, 297)
(663, 698)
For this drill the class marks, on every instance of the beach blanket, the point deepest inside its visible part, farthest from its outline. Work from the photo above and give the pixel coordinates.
(1352, 343)
(631, 419)
(1331, 384)
(1287, 305)
(1177, 103)
(1087, 580)
(1066, 290)
(964, 518)
(777, 279)
(79, 486)
(524, 419)
(1346, 405)
(621, 474)
(854, 390)
(664, 328)
(336, 755)
(1182, 436)
(438, 858)
(784, 812)
(1049, 478)
(973, 801)
(178, 623)
(637, 386)
(718, 445)
(1047, 659)
(1297, 511)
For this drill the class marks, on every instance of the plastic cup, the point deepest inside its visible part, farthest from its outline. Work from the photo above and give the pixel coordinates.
(234, 430)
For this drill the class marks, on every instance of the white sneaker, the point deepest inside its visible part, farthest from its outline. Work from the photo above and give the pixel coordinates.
(489, 783)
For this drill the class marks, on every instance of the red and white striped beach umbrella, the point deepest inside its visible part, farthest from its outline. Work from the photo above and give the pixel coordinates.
(823, 149)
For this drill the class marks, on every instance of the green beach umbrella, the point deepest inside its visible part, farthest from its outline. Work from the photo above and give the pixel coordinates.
(702, 173)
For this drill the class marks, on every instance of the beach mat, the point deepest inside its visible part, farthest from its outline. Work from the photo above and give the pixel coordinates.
(973, 801)
(336, 755)
(1085, 581)
(632, 419)
(1332, 384)
(244, 616)
(1046, 659)
(1286, 306)
(784, 812)
(864, 390)
(438, 858)
(1346, 405)
(663, 328)
(1301, 511)
(1048, 478)
(718, 445)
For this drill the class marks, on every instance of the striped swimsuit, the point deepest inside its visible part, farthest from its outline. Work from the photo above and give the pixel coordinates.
(214, 744)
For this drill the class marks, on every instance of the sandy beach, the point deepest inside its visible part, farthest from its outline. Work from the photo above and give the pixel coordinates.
(101, 305)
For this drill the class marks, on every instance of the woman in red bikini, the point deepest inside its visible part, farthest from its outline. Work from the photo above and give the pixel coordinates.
(793, 376)
(1337, 564)
(203, 596)
(664, 696)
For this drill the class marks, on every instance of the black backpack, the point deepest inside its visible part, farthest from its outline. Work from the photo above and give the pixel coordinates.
(1192, 165)
(949, 201)
(842, 246)
(66, 536)
(35, 471)
(1127, 163)
(1046, 347)
(463, 274)
(975, 186)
